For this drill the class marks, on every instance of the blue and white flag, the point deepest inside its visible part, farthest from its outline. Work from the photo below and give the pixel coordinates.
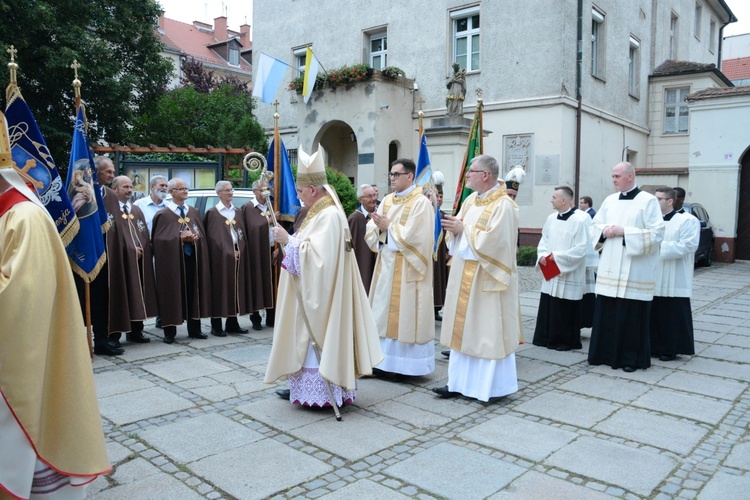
(33, 161)
(424, 179)
(267, 75)
(289, 204)
(86, 251)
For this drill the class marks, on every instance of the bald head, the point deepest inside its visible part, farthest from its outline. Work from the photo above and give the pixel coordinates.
(623, 177)
(123, 188)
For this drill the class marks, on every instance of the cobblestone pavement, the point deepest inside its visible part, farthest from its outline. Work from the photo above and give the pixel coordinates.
(194, 420)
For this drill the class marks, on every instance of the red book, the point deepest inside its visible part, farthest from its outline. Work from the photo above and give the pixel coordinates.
(550, 270)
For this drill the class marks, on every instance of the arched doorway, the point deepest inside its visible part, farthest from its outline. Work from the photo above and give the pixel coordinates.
(340, 143)
(742, 243)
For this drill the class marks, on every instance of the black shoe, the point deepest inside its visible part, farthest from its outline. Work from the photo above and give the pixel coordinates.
(168, 340)
(237, 330)
(562, 348)
(215, 333)
(444, 393)
(664, 357)
(269, 324)
(138, 338)
(629, 369)
(257, 327)
(284, 393)
(158, 323)
(106, 349)
(446, 353)
(381, 373)
(438, 317)
(114, 343)
(199, 335)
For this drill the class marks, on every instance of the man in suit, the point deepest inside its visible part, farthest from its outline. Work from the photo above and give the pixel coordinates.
(585, 204)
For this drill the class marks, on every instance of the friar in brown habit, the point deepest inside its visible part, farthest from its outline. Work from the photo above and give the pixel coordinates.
(260, 285)
(225, 230)
(183, 282)
(132, 288)
(368, 199)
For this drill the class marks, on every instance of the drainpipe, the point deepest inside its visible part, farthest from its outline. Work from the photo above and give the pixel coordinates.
(732, 19)
(579, 70)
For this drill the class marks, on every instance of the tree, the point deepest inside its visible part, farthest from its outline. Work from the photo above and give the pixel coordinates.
(183, 116)
(115, 42)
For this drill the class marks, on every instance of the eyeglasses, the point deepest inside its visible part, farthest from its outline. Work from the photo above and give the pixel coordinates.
(227, 190)
(181, 189)
(470, 171)
(396, 175)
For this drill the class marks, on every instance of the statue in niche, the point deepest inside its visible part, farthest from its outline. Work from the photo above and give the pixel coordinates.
(456, 86)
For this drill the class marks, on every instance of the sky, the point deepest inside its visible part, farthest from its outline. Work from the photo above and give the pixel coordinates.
(741, 10)
(237, 11)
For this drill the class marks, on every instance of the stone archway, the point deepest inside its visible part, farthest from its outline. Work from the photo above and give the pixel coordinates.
(742, 243)
(340, 143)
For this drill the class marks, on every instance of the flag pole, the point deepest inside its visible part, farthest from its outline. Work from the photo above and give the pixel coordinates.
(86, 284)
(276, 205)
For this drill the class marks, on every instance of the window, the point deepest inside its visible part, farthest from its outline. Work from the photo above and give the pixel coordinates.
(300, 58)
(712, 35)
(597, 43)
(634, 66)
(466, 38)
(673, 36)
(378, 51)
(697, 20)
(676, 111)
(234, 57)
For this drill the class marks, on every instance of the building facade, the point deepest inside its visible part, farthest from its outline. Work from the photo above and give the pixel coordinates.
(565, 115)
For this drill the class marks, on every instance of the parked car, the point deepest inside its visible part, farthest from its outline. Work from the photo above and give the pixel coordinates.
(205, 199)
(705, 254)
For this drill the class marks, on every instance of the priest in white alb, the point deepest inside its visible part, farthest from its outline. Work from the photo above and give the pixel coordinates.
(627, 230)
(671, 314)
(324, 332)
(481, 315)
(401, 294)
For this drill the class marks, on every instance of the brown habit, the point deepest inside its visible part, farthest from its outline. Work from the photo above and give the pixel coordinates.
(365, 257)
(260, 279)
(132, 288)
(171, 288)
(229, 275)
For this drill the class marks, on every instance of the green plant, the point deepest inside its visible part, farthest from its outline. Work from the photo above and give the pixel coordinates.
(526, 256)
(392, 72)
(345, 76)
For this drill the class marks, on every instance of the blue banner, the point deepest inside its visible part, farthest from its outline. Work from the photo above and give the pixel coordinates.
(86, 251)
(289, 204)
(424, 179)
(33, 161)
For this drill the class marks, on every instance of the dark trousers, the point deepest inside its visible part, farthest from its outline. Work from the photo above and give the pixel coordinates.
(98, 301)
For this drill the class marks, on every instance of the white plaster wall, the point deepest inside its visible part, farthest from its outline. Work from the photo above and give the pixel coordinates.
(718, 141)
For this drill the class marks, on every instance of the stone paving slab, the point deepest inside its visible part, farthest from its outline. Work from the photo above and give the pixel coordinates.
(179, 369)
(519, 437)
(719, 368)
(735, 339)
(568, 408)
(727, 486)
(141, 405)
(565, 358)
(154, 486)
(364, 489)
(451, 408)
(246, 356)
(630, 468)
(684, 405)
(620, 391)
(412, 415)
(703, 384)
(532, 371)
(134, 470)
(259, 469)
(191, 439)
(654, 430)
(650, 376)
(119, 382)
(739, 458)
(154, 349)
(372, 435)
(726, 353)
(281, 414)
(372, 391)
(534, 486)
(452, 471)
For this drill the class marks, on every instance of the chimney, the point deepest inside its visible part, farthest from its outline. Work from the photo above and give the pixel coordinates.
(161, 22)
(245, 34)
(220, 28)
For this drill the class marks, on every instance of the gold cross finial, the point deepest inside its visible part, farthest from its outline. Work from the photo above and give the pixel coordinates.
(276, 105)
(420, 101)
(75, 67)
(12, 66)
(12, 51)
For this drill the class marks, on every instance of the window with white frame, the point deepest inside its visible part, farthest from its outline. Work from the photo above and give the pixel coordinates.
(234, 56)
(634, 67)
(697, 20)
(300, 58)
(597, 43)
(676, 110)
(673, 36)
(378, 50)
(466, 38)
(712, 35)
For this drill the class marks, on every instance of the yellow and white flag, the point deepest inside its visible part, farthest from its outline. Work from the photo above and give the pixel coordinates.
(311, 73)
